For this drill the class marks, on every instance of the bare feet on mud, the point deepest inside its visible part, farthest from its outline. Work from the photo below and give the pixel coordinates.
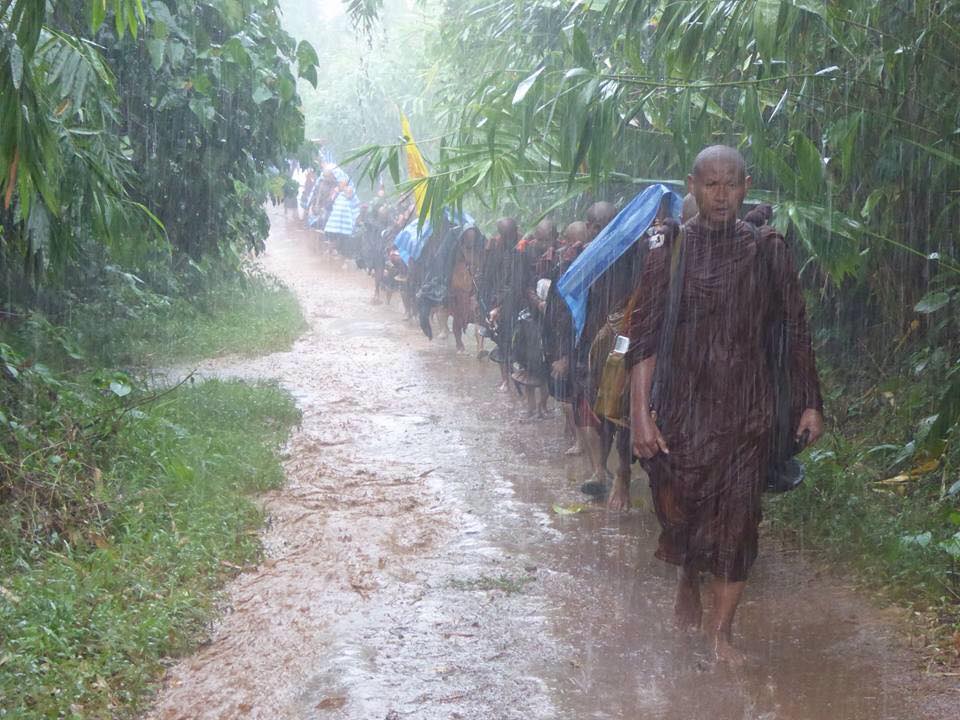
(619, 500)
(575, 449)
(688, 609)
(723, 651)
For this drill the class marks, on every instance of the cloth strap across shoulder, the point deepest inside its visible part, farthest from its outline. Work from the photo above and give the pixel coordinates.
(671, 315)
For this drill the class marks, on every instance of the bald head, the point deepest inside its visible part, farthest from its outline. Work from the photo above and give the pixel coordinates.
(545, 232)
(507, 229)
(720, 154)
(599, 216)
(575, 232)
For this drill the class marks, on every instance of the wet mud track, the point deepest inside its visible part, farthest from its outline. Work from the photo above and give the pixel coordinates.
(415, 568)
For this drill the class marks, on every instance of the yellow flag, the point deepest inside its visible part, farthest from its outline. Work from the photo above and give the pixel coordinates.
(416, 167)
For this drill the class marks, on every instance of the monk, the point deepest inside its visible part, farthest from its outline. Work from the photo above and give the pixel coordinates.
(498, 266)
(558, 335)
(706, 445)
(535, 258)
(571, 364)
(461, 294)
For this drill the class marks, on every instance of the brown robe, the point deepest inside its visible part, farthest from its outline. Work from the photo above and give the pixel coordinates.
(718, 412)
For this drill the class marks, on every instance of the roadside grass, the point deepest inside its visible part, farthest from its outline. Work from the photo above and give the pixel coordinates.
(248, 315)
(870, 507)
(90, 609)
(123, 510)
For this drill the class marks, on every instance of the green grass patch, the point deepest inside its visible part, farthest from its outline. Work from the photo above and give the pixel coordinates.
(93, 600)
(246, 314)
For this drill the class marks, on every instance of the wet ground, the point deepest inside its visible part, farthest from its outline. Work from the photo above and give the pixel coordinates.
(417, 567)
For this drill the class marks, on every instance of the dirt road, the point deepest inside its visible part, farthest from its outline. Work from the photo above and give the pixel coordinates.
(416, 567)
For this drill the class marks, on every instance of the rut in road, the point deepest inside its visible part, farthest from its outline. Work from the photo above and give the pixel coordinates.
(415, 567)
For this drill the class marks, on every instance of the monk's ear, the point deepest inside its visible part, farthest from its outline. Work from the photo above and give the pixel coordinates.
(747, 182)
(690, 183)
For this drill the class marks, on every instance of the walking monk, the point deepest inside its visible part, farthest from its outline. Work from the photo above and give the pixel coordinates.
(706, 448)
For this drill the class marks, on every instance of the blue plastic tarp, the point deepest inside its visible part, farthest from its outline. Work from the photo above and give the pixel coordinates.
(612, 242)
(411, 240)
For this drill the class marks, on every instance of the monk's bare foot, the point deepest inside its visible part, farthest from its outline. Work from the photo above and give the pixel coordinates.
(575, 449)
(619, 500)
(725, 652)
(688, 610)
(504, 386)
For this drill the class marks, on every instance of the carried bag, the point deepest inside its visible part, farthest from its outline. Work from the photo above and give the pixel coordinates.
(614, 380)
(613, 396)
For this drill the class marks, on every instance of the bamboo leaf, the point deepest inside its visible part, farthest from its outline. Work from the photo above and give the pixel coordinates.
(932, 302)
(526, 84)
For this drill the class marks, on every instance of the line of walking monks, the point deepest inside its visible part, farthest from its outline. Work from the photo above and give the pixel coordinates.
(688, 302)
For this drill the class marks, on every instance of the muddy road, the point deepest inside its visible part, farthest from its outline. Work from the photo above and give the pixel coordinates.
(416, 568)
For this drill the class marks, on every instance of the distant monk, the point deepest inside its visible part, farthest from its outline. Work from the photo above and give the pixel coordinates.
(461, 295)
(535, 259)
(502, 311)
(707, 459)
(572, 365)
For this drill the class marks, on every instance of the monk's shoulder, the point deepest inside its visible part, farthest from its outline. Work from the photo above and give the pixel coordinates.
(766, 238)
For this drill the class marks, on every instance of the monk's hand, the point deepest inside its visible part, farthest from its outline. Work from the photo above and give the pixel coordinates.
(558, 368)
(810, 428)
(494, 315)
(647, 439)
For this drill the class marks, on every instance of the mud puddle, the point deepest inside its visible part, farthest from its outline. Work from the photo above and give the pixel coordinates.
(415, 567)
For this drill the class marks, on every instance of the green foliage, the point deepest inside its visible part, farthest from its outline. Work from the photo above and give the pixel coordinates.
(163, 120)
(364, 80)
(883, 490)
(90, 608)
(124, 507)
(210, 101)
(844, 110)
(245, 313)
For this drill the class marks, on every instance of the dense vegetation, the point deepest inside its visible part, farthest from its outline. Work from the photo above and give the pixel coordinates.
(846, 112)
(138, 141)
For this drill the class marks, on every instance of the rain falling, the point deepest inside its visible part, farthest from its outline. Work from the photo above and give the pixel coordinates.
(479, 359)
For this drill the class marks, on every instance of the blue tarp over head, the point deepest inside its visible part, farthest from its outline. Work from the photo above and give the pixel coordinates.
(410, 241)
(612, 242)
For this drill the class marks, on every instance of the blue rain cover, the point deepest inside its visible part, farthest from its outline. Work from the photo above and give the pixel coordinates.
(612, 242)
(409, 242)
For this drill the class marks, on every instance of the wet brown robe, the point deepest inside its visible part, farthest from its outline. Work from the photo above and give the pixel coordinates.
(718, 413)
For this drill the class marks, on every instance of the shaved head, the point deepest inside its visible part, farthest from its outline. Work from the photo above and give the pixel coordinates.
(720, 154)
(575, 232)
(599, 216)
(507, 227)
(546, 231)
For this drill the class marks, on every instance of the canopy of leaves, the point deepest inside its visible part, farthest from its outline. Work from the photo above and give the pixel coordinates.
(845, 110)
(152, 116)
